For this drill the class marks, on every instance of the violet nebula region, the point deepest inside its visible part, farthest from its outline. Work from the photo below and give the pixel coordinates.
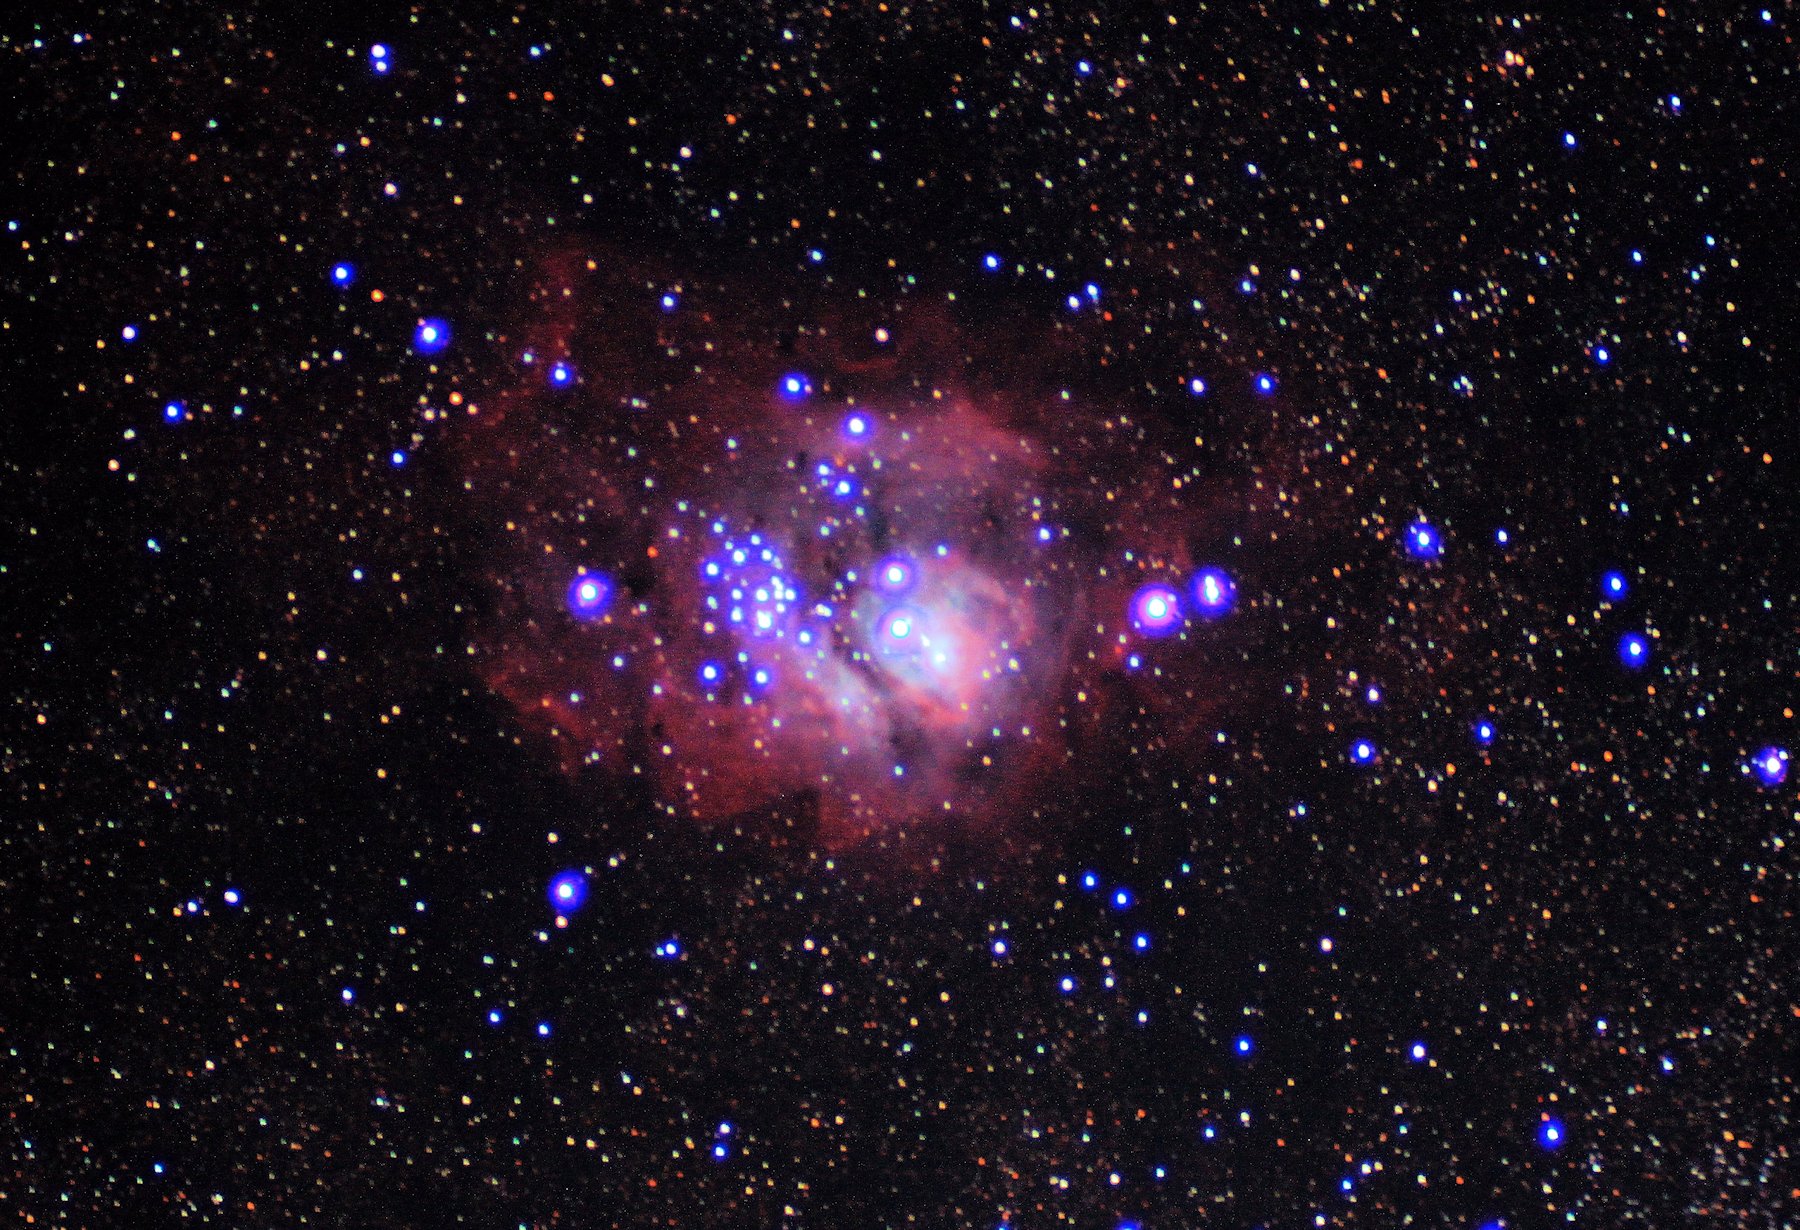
(876, 563)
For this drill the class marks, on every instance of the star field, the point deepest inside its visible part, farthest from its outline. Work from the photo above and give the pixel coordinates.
(901, 616)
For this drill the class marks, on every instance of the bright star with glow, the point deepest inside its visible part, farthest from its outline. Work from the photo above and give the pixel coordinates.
(1550, 1134)
(1265, 383)
(795, 386)
(561, 375)
(1634, 649)
(1214, 592)
(174, 411)
(991, 262)
(431, 336)
(1155, 610)
(1484, 731)
(343, 274)
(1243, 1044)
(589, 594)
(568, 891)
(1614, 586)
(1196, 386)
(1423, 540)
(896, 574)
(1771, 766)
(900, 629)
(1362, 752)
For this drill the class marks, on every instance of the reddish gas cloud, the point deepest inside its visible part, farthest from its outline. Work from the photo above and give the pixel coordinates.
(871, 561)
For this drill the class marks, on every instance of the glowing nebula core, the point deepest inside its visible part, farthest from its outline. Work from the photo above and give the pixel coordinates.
(871, 566)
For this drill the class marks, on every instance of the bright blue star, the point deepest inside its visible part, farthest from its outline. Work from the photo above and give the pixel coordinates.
(561, 375)
(1243, 1044)
(795, 386)
(1550, 1134)
(343, 274)
(1614, 586)
(174, 412)
(1634, 649)
(900, 629)
(1362, 752)
(1485, 731)
(589, 594)
(1214, 592)
(1265, 383)
(991, 262)
(431, 336)
(1771, 765)
(1155, 610)
(1423, 540)
(896, 574)
(568, 891)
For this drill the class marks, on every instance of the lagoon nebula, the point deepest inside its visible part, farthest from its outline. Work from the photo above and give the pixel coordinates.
(873, 564)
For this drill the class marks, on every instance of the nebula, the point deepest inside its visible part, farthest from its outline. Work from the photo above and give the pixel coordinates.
(881, 563)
